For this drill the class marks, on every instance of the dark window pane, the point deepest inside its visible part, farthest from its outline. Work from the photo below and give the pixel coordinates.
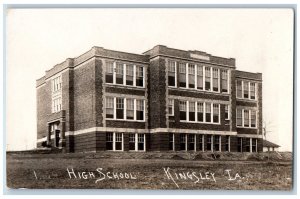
(139, 82)
(192, 116)
(200, 117)
(129, 82)
(131, 146)
(140, 146)
(109, 146)
(109, 116)
(216, 118)
(182, 84)
(207, 86)
(119, 79)
(120, 114)
(182, 115)
(109, 78)
(171, 80)
(140, 115)
(208, 117)
(118, 145)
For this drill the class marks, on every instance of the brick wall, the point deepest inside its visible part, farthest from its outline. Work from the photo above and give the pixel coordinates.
(157, 94)
(84, 96)
(43, 108)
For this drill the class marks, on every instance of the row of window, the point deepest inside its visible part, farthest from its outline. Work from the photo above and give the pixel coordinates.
(115, 141)
(120, 108)
(199, 112)
(198, 77)
(246, 89)
(124, 74)
(245, 118)
(211, 143)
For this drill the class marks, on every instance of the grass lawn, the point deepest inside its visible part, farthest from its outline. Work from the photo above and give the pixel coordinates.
(98, 171)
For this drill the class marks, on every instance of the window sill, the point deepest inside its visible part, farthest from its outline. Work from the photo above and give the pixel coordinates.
(199, 122)
(242, 127)
(246, 99)
(125, 86)
(197, 90)
(124, 120)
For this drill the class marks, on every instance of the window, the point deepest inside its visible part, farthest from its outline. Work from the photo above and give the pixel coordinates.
(239, 117)
(200, 77)
(224, 74)
(247, 144)
(171, 107)
(227, 112)
(109, 141)
(140, 76)
(115, 108)
(246, 90)
(130, 109)
(192, 111)
(246, 118)
(56, 84)
(119, 142)
(200, 111)
(208, 112)
(131, 142)
(109, 73)
(172, 73)
(182, 109)
(227, 143)
(254, 145)
(253, 118)
(141, 142)
(119, 73)
(252, 90)
(239, 89)
(191, 70)
(182, 75)
(216, 113)
(201, 142)
(109, 107)
(182, 142)
(215, 79)
(120, 108)
(217, 143)
(129, 75)
(240, 145)
(56, 105)
(191, 142)
(139, 109)
(209, 142)
(171, 141)
(207, 78)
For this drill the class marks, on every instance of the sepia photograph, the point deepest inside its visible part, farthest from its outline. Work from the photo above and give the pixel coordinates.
(148, 98)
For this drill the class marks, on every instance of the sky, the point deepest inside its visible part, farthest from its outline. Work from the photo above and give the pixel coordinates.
(261, 40)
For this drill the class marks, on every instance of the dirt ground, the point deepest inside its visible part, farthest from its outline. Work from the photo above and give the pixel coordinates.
(153, 171)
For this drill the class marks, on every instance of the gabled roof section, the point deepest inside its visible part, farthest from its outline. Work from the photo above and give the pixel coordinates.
(267, 143)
